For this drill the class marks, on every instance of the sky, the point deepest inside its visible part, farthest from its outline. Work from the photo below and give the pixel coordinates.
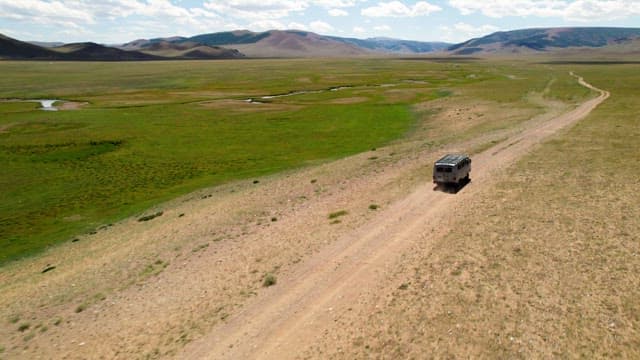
(119, 21)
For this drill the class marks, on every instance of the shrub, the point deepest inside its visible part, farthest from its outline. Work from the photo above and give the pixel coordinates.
(151, 217)
(337, 214)
(269, 280)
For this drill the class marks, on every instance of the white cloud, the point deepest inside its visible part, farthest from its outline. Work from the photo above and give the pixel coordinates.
(338, 12)
(320, 27)
(335, 3)
(579, 10)
(297, 26)
(256, 9)
(359, 30)
(399, 9)
(265, 24)
(383, 28)
(462, 31)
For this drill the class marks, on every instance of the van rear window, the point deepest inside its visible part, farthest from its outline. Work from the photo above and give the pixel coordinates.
(447, 169)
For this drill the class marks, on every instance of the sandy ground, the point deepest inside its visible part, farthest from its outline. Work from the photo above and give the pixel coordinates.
(196, 289)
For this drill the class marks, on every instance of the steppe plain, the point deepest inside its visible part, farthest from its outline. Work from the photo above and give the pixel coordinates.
(327, 194)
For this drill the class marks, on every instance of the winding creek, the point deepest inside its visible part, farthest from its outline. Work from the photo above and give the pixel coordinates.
(45, 104)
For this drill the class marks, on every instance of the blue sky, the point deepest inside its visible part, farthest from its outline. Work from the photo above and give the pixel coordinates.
(117, 21)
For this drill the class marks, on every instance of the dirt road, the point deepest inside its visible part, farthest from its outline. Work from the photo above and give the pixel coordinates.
(295, 312)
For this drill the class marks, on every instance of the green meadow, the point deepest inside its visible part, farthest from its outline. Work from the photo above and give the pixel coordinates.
(151, 131)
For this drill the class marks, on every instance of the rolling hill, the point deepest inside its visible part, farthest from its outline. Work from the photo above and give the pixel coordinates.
(94, 52)
(295, 43)
(546, 40)
(18, 50)
(181, 48)
(12, 49)
(395, 45)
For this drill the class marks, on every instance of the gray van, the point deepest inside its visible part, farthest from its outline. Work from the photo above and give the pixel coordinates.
(452, 169)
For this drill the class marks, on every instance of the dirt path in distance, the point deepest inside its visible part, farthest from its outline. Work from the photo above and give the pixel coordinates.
(297, 311)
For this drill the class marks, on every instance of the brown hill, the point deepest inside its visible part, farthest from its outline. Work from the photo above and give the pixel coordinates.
(543, 40)
(91, 51)
(180, 48)
(299, 44)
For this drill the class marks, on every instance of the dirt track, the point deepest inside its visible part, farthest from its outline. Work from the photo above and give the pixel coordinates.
(286, 318)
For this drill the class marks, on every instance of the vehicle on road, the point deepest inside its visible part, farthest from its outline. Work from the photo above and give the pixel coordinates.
(452, 169)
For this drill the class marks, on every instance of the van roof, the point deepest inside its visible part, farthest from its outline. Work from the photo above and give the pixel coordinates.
(451, 159)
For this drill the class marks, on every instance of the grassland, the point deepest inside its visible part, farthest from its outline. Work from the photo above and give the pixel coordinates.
(153, 131)
(544, 265)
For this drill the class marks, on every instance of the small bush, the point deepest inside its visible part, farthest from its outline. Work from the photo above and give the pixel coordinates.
(274, 219)
(57, 321)
(14, 319)
(337, 214)
(151, 217)
(374, 207)
(269, 280)
(82, 307)
(24, 327)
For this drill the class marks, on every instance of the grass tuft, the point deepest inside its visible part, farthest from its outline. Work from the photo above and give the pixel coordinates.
(269, 280)
(338, 214)
(150, 217)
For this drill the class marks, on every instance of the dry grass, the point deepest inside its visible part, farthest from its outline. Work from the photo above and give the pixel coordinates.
(546, 264)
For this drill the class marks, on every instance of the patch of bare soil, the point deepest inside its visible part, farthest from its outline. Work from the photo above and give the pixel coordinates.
(5, 128)
(71, 105)
(194, 275)
(247, 106)
(349, 100)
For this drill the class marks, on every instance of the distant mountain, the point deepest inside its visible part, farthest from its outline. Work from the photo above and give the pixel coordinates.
(182, 48)
(277, 43)
(395, 45)
(294, 43)
(157, 49)
(94, 52)
(545, 39)
(45, 44)
(18, 50)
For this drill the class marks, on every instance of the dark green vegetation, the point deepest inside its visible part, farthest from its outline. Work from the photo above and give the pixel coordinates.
(153, 131)
(269, 280)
